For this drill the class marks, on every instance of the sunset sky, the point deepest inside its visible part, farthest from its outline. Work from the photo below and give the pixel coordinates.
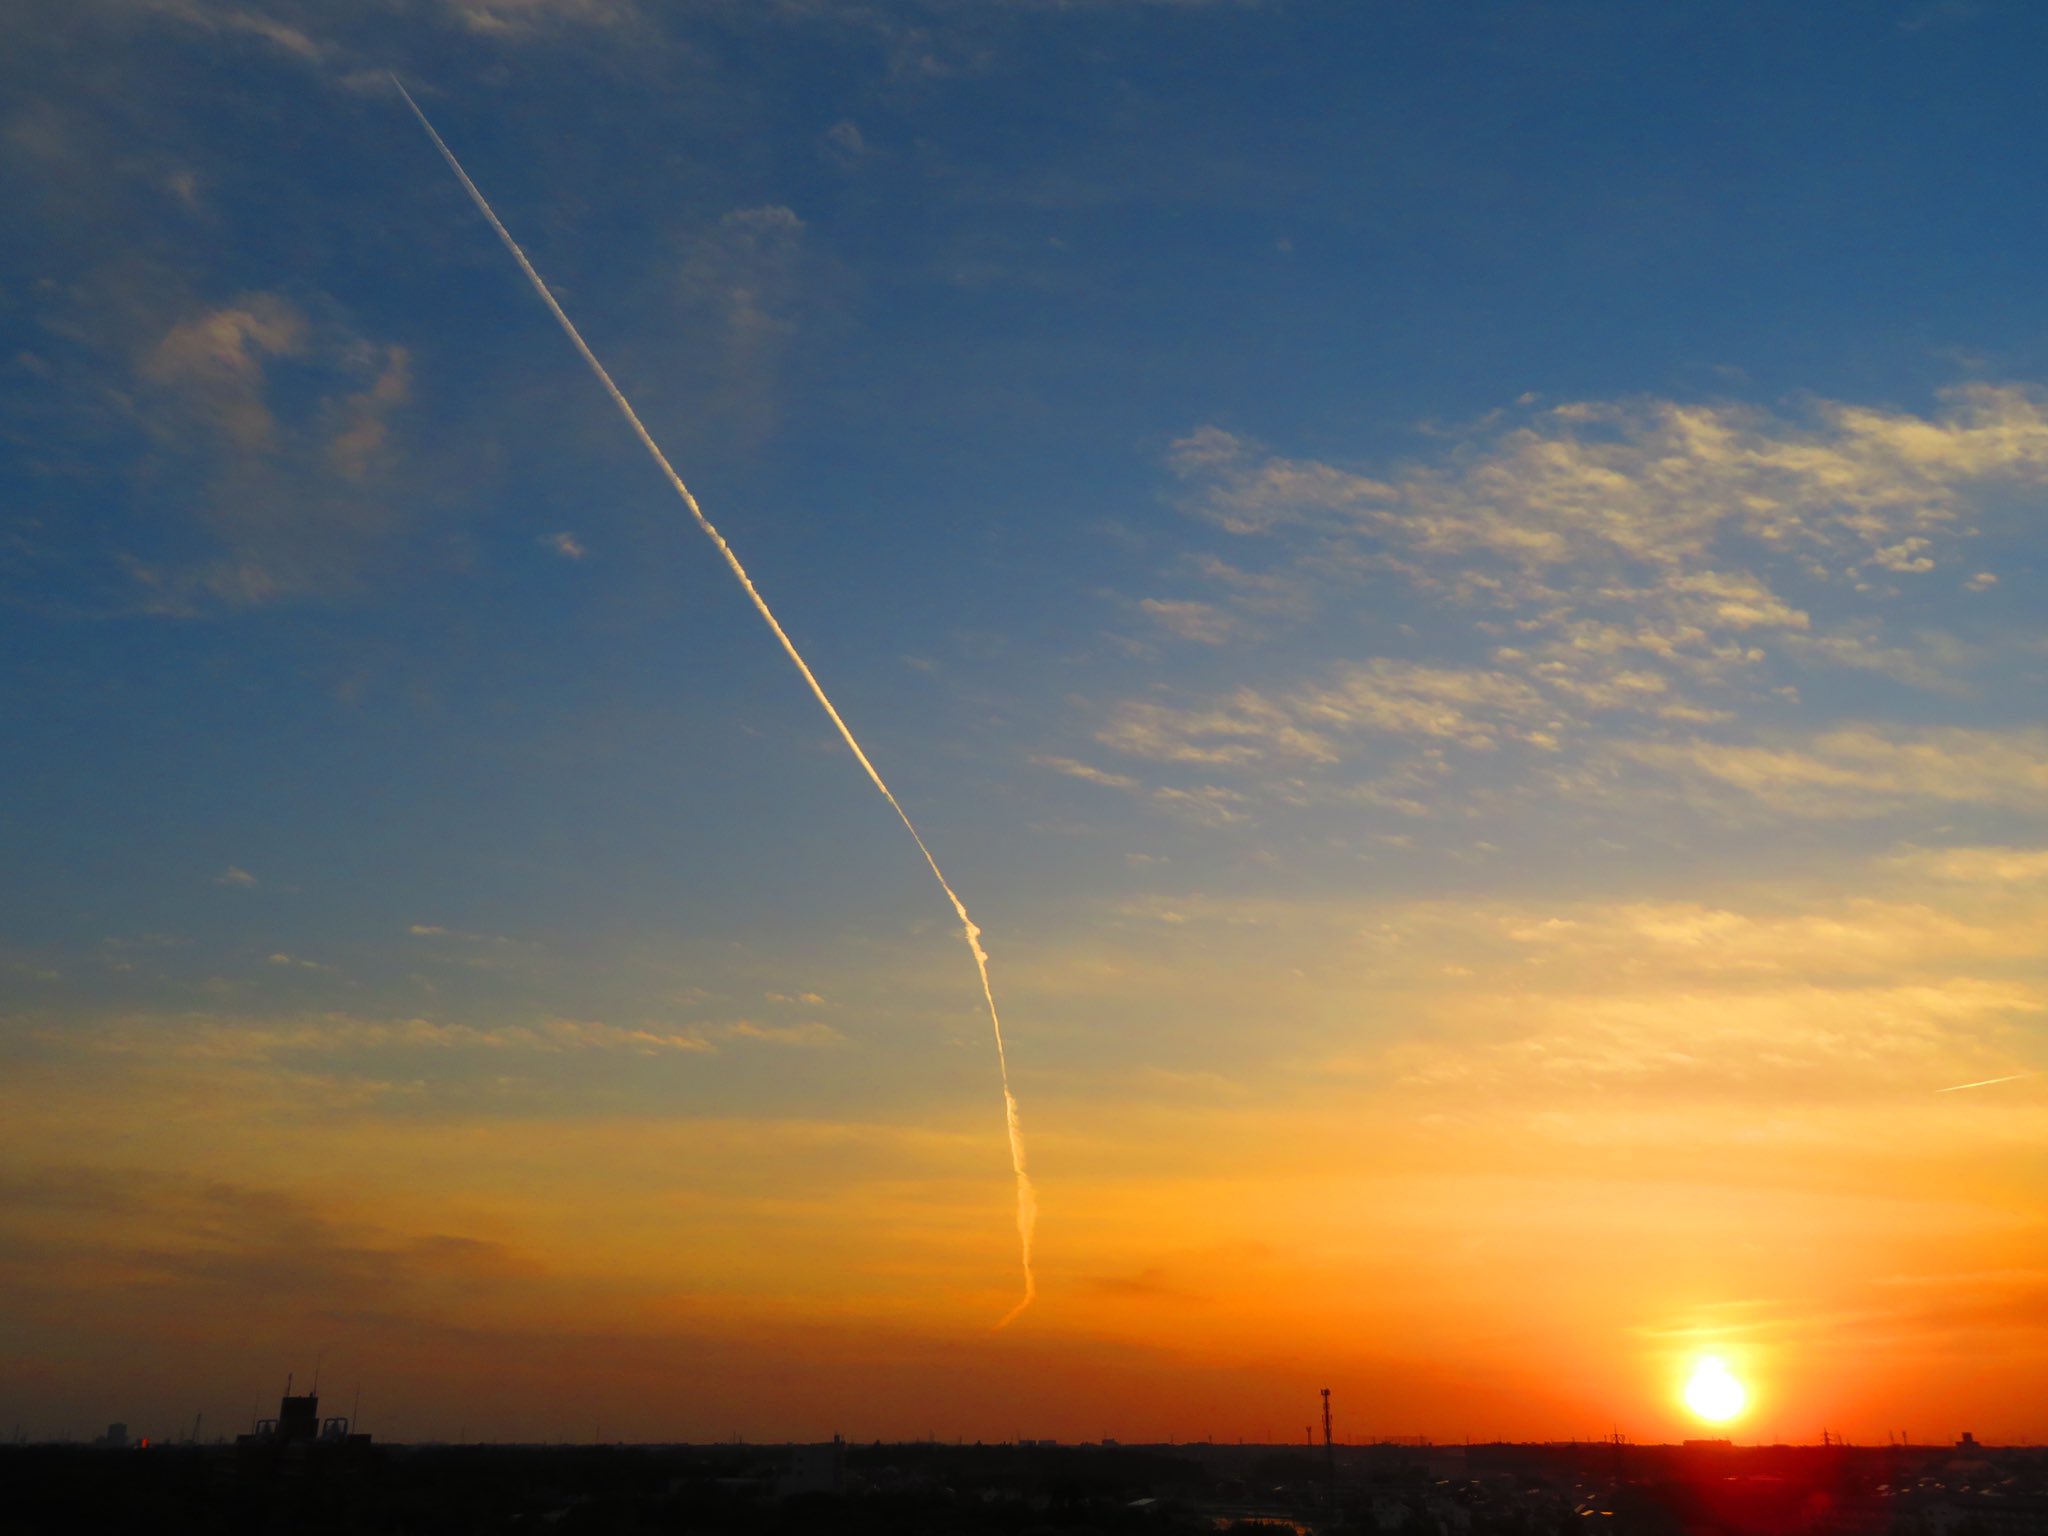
(1458, 587)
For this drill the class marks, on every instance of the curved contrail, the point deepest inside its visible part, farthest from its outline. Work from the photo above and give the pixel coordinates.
(1027, 1196)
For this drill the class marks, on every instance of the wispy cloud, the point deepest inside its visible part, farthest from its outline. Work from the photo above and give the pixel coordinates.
(811, 1034)
(1866, 770)
(1649, 529)
(1085, 772)
(211, 16)
(1473, 708)
(1204, 623)
(294, 962)
(1654, 483)
(1996, 866)
(516, 19)
(746, 278)
(294, 477)
(843, 145)
(1639, 567)
(436, 931)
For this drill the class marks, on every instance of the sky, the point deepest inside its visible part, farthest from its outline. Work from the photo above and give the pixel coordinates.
(1455, 586)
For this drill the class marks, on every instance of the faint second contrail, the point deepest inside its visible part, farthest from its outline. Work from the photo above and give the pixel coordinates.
(1989, 1082)
(1027, 1196)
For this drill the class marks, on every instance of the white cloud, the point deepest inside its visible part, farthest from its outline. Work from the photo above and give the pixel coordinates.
(212, 17)
(843, 144)
(216, 362)
(1242, 728)
(436, 931)
(567, 545)
(1798, 1040)
(293, 476)
(1654, 483)
(1084, 772)
(1996, 866)
(513, 19)
(234, 875)
(1470, 707)
(293, 962)
(1208, 804)
(1638, 563)
(1867, 770)
(810, 1035)
(1204, 623)
(747, 276)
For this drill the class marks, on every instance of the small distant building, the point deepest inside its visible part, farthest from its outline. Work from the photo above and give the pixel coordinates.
(116, 1436)
(814, 1469)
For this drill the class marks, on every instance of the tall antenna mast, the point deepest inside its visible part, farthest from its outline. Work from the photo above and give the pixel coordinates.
(1329, 1450)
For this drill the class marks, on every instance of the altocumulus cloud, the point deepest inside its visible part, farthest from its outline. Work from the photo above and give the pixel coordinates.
(1638, 567)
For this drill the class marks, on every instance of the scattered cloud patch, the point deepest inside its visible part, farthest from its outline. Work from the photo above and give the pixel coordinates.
(1473, 708)
(1086, 773)
(810, 1035)
(436, 931)
(1866, 770)
(1203, 623)
(746, 277)
(1639, 565)
(518, 19)
(235, 20)
(284, 422)
(1977, 865)
(1655, 482)
(843, 145)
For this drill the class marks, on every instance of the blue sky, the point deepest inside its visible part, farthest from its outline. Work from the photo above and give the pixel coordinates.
(1322, 512)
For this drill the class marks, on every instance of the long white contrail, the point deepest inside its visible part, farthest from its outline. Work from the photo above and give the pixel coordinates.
(1027, 1196)
(1989, 1082)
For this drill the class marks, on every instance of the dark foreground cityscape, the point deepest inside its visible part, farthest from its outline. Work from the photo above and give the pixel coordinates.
(300, 1472)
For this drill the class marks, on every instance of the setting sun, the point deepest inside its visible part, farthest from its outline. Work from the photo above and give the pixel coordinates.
(1713, 1393)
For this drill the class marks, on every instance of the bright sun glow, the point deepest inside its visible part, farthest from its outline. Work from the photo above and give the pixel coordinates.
(1713, 1393)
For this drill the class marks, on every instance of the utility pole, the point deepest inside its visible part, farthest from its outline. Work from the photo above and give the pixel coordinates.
(1329, 1451)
